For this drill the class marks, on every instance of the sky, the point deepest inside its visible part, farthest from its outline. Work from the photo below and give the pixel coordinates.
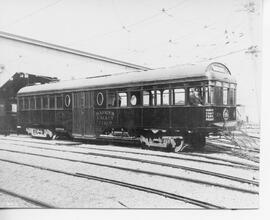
(153, 33)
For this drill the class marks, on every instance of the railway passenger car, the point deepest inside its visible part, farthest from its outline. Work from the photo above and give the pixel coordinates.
(168, 107)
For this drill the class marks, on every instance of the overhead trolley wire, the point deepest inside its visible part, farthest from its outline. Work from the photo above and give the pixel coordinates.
(126, 27)
(221, 42)
(32, 13)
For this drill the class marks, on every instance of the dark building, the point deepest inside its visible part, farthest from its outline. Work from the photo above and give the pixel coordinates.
(8, 101)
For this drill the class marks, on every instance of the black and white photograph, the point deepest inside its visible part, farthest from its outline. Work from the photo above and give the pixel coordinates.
(130, 104)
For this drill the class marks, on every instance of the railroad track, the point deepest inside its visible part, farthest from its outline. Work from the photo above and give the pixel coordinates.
(202, 154)
(224, 146)
(224, 176)
(27, 199)
(235, 152)
(232, 163)
(237, 179)
(198, 203)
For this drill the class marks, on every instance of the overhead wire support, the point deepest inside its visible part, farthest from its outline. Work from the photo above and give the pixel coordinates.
(247, 50)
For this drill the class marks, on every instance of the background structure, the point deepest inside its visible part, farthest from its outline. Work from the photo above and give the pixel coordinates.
(151, 33)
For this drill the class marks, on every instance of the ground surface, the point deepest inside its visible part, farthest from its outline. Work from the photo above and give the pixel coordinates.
(28, 168)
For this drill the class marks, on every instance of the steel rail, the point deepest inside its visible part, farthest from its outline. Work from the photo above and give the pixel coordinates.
(224, 176)
(125, 184)
(239, 165)
(27, 199)
(236, 153)
(232, 163)
(152, 173)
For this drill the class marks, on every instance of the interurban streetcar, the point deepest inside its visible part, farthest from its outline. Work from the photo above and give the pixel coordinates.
(170, 107)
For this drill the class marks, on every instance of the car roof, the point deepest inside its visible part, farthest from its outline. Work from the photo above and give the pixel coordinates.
(184, 73)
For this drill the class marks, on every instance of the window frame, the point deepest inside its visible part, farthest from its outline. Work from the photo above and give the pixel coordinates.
(218, 93)
(56, 103)
(232, 90)
(21, 107)
(43, 97)
(152, 97)
(26, 100)
(38, 97)
(117, 99)
(54, 99)
(34, 102)
(173, 96)
(227, 95)
(143, 92)
(162, 97)
(108, 92)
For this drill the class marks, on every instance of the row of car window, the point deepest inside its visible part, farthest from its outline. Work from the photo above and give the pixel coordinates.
(194, 96)
(147, 98)
(114, 99)
(41, 102)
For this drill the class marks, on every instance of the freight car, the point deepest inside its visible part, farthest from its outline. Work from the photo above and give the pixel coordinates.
(168, 107)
